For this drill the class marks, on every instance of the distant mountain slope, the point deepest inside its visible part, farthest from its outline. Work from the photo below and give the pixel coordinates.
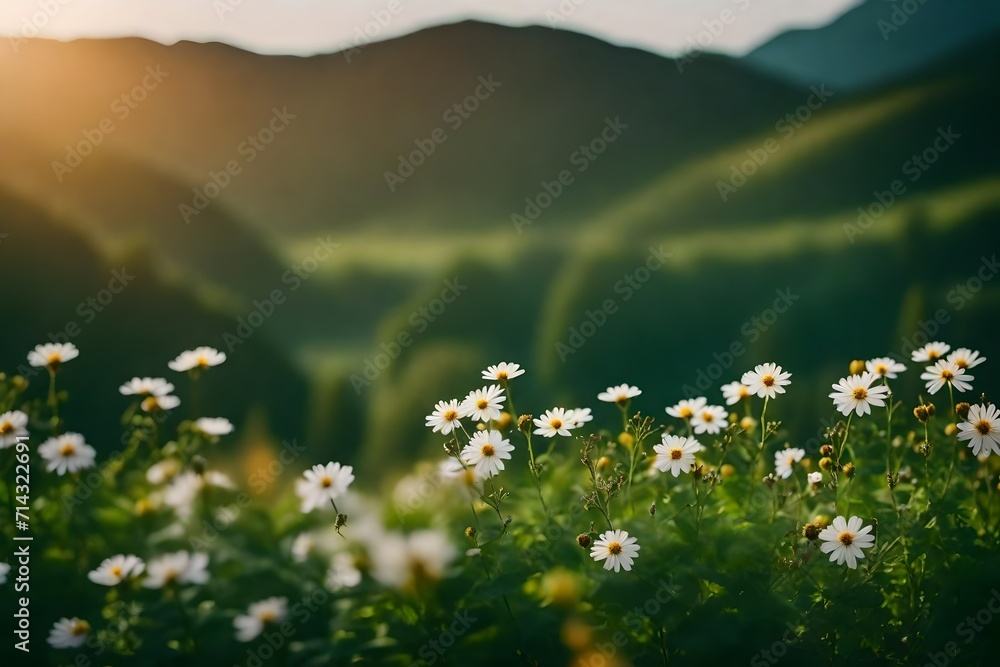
(877, 42)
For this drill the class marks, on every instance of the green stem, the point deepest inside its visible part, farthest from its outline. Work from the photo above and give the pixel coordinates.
(53, 402)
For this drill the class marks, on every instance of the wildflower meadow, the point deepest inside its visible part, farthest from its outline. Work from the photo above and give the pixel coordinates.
(636, 530)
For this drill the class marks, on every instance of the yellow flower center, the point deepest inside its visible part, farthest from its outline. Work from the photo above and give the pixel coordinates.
(932, 354)
(744, 391)
(55, 358)
(707, 416)
(502, 375)
(984, 426)
(846, 538)
(622, 399)
(556, 423)
(203, 361)
(116, 570)
(326, 482)
(79, 628)
(962, 363)
(685, 412)
(947, 374)
(488, 450)
(5, 428)
(767, 380)
(881, 369)
(150, 403)
(482, 404)
(67, 449)
(450, 416)
(614, 548)
(676, 453)
(170, 575)
(267, 616)
(860, 393)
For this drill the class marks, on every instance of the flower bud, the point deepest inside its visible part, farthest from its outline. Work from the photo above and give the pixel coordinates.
(524, 423)
(962, 409)
(652, 509)
(848, 469)
(747, 424)
(951, 429)
(810, 532)
(921, 412)
(826, 463)
(727, 470)
(930, 409)
(18, 382)
(821, 521)
(626, 439)
(826, 450)
(470, 532)
(583, 539)
(769, 480)
(504, 421)
(199, 465)
(603, 462)
(857, 367)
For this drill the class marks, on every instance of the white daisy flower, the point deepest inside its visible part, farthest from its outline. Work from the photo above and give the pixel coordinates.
(52, 355)
(69, 633)
(13, 425)
(343, 572)
(259, 615)
(159, 403)
(944, 372)
(67, 453)
(554, 422)
(445, 417)
(844, 540)
(710, 419)
(766, 380)
(620, 394)
(200, 357)
(163, 471)
(146, 387)
(982, 429)
(686, 408)
(815, 478)
(676, 454)
(857, 393)
(486, 451)
(963, 357)
(885, 367)
(399, 561)
(323, 484)
(183, 490)
(616, 549)
(4, 569)
(177, 568)
(785, 459)
(483, 404)
(112, 571)
(578, 417)
(214, 426)
(734, 392)
(502, 372)
(302, 546)
(930, 352)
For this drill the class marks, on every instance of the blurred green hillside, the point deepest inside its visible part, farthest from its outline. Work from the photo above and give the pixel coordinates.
(681, 132)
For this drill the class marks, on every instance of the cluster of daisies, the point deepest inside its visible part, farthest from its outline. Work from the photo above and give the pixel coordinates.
(69, 452)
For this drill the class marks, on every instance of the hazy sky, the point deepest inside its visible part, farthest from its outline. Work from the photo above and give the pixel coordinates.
(310, 26)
